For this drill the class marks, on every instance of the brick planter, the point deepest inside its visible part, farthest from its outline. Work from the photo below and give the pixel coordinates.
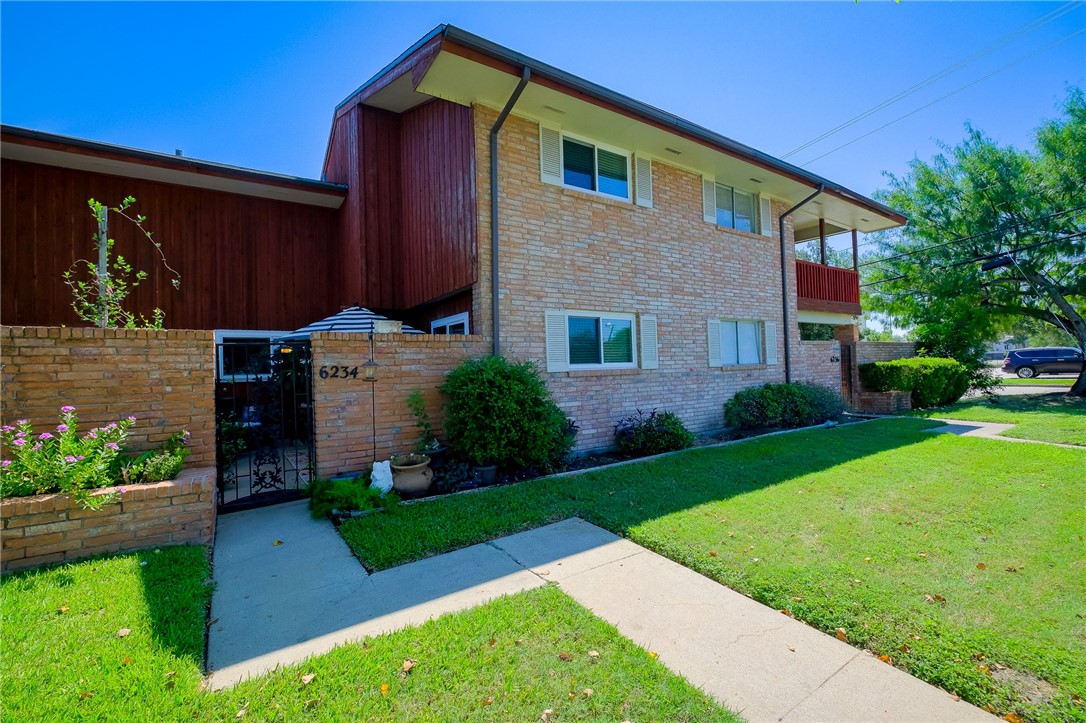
(54, 528)
(883, 402)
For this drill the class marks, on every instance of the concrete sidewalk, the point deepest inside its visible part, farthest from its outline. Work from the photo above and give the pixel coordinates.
(278, 604)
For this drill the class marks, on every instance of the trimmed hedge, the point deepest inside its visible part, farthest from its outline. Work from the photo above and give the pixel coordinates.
(931, 381)
(783, 405)
(501, 412)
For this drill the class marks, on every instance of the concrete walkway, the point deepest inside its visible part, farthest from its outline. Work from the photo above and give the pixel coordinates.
(278, 604)
(987, 430)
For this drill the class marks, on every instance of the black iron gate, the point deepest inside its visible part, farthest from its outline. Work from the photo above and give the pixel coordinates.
(264, 422)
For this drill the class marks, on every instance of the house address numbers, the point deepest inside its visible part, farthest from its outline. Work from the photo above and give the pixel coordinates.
(338, 372)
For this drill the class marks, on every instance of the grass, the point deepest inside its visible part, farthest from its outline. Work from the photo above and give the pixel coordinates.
(64, 660)
(1035, 382)
(1042, 417)
(960, 558)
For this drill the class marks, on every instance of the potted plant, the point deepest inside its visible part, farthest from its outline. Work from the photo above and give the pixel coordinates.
(411, 473)
(427, 443)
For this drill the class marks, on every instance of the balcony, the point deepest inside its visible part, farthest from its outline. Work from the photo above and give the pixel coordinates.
(827, 288)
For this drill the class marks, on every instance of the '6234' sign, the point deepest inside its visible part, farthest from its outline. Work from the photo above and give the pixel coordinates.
(338, 372)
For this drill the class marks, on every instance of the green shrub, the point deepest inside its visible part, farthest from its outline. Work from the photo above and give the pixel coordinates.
(346, 495)
(932, 382)
(783, 405)
(158, 465)
(658, 432)
(500, 412)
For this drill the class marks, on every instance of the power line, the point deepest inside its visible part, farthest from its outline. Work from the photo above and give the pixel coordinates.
(987, 50)
(960, 239)
(944, 97)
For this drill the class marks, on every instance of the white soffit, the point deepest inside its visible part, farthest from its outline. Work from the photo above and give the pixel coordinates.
(825, 317)
(179, 177)
(464, 81)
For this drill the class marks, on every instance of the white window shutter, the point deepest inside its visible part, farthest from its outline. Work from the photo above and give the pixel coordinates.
(650, 348)
(714, 343)
(765, 215)
(643, 181)
(557, 342)
(550, 154)
(771, 342)
(708, 198)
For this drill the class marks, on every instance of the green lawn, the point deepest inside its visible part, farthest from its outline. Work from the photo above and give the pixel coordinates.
(67, 657)
(1044, 417)
(1035, 382)
(960, 558)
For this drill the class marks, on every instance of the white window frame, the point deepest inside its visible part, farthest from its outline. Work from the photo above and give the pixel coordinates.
(755, 221)
(759, 327)
(601, 316)
(447, 321)
(596, 146)
(221, 334)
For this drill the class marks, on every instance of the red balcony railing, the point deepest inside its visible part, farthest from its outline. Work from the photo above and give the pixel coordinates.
(827, 288)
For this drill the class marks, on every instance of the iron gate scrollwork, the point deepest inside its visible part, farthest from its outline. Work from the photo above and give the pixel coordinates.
(263, 412)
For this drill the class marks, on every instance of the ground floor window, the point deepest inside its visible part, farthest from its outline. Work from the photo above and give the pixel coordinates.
(243, 353)
(456, 324)
(737, 342)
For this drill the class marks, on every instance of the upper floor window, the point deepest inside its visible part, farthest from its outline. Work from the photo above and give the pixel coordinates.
(595, 169)
(735, 209)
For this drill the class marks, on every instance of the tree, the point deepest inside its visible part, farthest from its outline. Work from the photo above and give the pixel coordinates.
(995, 234)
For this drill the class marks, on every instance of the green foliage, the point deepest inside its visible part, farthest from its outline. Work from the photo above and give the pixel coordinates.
(933, 382)
(346, 495)
(416, 402)
(501, 412)
(783, 405)
(62, 461)
(978, 201)
(809, 331)
(158, 465)
(100, 297)
(640, 436)
(1027, 332)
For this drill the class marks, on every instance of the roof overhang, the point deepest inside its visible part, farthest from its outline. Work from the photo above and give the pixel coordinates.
(21, 144)
(457, 66)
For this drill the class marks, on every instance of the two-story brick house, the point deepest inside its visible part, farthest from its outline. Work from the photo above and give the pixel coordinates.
(637, 257)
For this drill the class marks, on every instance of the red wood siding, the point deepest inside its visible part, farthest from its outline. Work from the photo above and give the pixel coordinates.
(245, 262)
(439, 219)
(827, 288)
(407, 234)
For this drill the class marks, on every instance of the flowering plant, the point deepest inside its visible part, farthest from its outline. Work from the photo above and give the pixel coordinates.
(61, 460)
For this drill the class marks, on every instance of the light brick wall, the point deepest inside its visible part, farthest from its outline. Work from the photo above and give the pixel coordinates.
(873, 351)
(814, 363)
(165, 379)
(883, 402)
(53, 528)
(342, 408)
(561, 248)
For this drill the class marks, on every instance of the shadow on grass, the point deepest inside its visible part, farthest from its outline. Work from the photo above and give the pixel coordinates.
(1056, 402)
(177, 597)
(620, 497)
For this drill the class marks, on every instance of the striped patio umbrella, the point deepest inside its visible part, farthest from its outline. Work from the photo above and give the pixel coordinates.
(356, 319)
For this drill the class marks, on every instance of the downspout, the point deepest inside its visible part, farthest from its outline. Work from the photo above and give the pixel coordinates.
(494, 315)
(784, 284)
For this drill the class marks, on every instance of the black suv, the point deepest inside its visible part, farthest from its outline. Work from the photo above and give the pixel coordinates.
(1028, 363)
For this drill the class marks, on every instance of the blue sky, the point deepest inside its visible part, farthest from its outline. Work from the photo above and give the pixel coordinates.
(254, 84)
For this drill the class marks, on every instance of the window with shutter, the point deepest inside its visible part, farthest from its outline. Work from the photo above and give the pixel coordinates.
(730, 207)
(650, 348)
(734, 342)
(587, 339)
(583, 164)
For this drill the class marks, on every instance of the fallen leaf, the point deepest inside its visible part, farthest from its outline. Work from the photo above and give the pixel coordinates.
(127, 660)
(978, 657)
(1013, 718)
(754, 559)
(593, 654)
(786, 611)
(981, 566)
(955, 696)
(922, 554)
(886, 659)
(916, 637)
(63, 609)
(867, 559)
(572, 695)
(277, 543)
(384, 688)
(547, 714)
(493, 642)
(123, 632)
(653, 655)
(243, 712)
(842, 635)
(990, 708)
(565, 656)
(1012, 569)
(588, 692)
(904, 648)
(985, 669)
(712, 553)
(86, 695)
(792, 648)
(935, 599)
(409, 664)
(488, 701)
(308, 678)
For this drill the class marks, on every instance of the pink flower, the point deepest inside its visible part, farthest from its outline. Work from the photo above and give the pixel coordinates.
(7, 428)
(93, 434)
(21, 422)
(62, 428)
(6, 463)
(114, 446)
(80, 458)
(20, 435)
(70, 459)
(36, 447)
(132, 420)
(45, 435)
(19, 442)
(67, 409)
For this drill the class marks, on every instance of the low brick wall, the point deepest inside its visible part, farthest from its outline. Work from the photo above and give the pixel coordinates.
(53, 528)
(883, 402)
(164, 378)
(342, 405)
(873, 351)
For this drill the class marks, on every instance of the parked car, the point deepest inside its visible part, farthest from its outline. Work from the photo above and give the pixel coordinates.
(1029, 363)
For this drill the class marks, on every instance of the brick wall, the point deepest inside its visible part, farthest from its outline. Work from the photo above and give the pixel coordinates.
(562, 248)
(342, 408)
(883, 402)
(165, 379)
(873, 351)
(53, 528)
(818, 362)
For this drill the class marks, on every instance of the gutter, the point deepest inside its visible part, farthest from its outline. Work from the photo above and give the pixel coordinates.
(495, 316)
(784, 283)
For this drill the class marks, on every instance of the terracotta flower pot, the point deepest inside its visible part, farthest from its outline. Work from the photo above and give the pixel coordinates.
(411, 474)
